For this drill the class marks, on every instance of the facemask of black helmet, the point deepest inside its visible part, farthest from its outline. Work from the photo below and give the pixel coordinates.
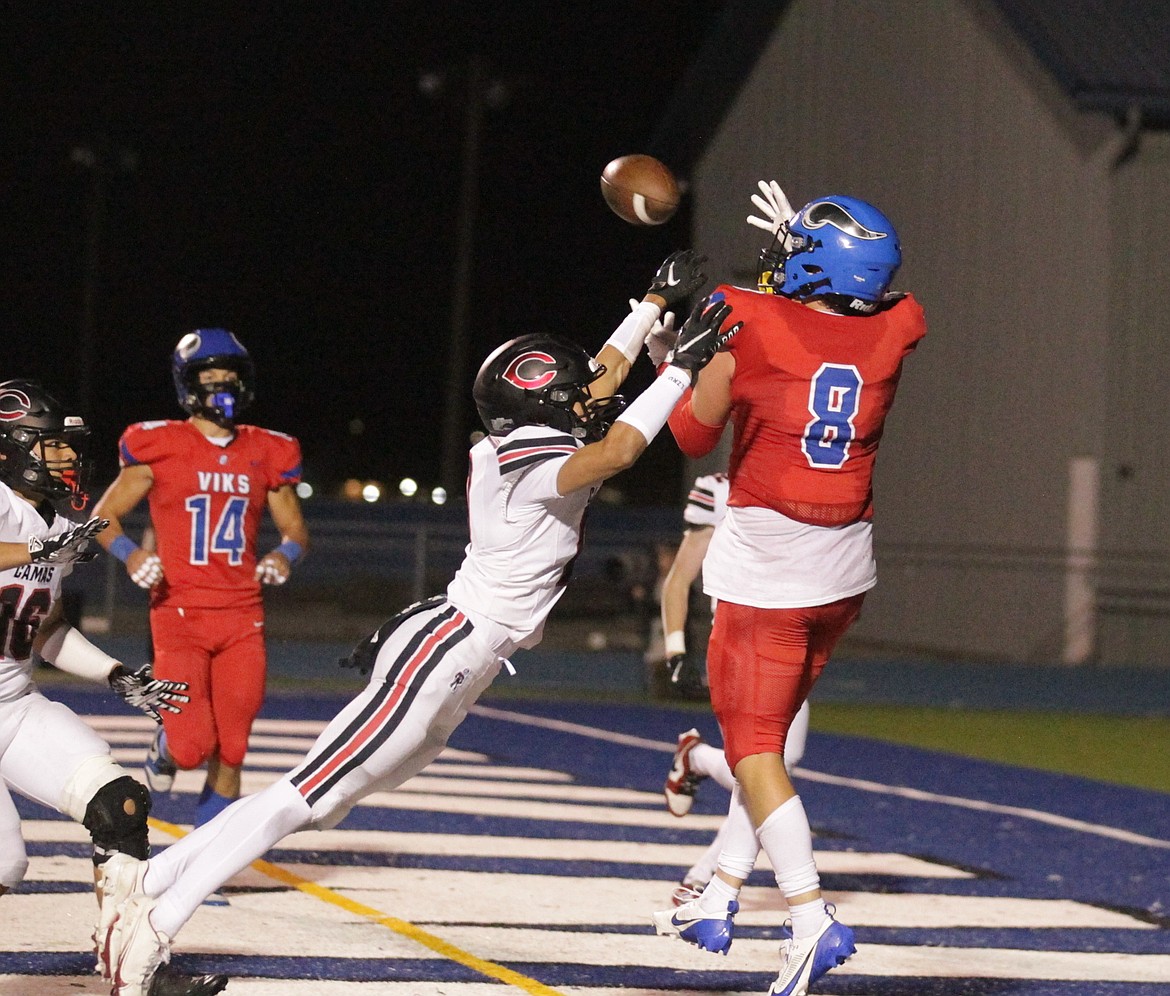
(42, 450)
(48, 462)
(585, 417)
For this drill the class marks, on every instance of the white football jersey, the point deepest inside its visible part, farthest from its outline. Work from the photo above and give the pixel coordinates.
(26, 593)
(524, 535)
(707, 500)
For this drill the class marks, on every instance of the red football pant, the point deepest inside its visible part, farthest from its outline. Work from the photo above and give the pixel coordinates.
(220, 654)
(761, 665)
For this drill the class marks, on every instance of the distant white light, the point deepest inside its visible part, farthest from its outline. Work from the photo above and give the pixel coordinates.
(371, 492)
(408, 487)
(304, 490)
(439, 496)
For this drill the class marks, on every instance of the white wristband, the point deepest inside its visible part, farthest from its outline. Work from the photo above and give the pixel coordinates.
(69, 651)
(628, 337)
(651, 409)
(676, 643)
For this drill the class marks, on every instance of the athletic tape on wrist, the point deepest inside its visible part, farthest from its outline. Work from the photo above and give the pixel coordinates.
(291, 549)
(651, 409)
(628, 337)
(676, 643)
(122, 547)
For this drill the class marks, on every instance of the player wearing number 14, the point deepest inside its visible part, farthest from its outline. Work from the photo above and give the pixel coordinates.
(208, 480)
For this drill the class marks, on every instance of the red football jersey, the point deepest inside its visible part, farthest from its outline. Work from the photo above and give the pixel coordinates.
(206, 504)
(809, 397)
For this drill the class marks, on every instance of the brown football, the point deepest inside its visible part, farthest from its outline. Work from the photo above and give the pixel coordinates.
(640, 190)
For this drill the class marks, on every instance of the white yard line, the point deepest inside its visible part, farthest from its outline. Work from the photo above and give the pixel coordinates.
(862, 785)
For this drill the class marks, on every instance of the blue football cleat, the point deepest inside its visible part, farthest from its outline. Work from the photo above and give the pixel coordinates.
(709, 931)
(807, 959)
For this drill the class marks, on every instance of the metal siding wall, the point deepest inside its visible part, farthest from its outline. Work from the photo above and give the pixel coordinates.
(1135, 627)
(923, 110)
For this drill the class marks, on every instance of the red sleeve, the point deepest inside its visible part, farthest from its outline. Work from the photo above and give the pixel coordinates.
(285, 463)
(143, 442)
(694, 438)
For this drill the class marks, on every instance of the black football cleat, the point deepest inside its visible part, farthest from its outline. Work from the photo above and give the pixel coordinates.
(170, 983)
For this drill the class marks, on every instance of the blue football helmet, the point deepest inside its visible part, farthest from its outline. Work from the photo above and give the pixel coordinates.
(839, 249)
(208, 349)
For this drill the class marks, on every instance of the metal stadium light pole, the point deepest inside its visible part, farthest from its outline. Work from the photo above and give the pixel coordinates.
(101, 162)
(480, 94)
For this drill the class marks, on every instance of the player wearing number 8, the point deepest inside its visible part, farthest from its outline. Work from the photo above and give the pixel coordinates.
(208, 480)
(807, 385)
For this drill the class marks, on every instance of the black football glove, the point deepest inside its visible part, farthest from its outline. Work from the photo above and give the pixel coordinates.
(679, 276)
(144, 691)
(700, 338)
(684, 675)
(68, 545)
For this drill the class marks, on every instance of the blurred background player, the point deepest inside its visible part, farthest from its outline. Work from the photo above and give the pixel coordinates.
(807, 386)
(207, 480)
(556, 432)
(695, 760)
(47, 753)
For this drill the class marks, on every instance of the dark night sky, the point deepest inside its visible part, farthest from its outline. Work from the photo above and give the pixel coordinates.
(294, 184)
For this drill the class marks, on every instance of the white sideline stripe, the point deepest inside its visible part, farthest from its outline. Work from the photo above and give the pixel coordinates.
(440, 901)
(439, 770)
(66, 869)
(1036, 815)
(889, 960)
(294, 924)
(531, 810)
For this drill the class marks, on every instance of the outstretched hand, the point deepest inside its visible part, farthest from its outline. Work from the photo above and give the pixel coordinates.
(773, 205)
(679, 276)
(144, 691)
(662, 337)
(66, 546)
(701, 337)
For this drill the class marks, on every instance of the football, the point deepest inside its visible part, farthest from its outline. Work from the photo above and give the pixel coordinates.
(640, 190)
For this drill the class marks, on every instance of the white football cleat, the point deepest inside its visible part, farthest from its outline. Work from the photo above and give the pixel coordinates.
(682, 782)
(138, 950)
(120, 878)
(806, 960)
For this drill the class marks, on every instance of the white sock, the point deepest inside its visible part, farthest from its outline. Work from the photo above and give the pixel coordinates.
(703, 869)
(807, 918)
(717, 895)
(237, 837)
(786, 838)
(741, 847)
(712, 763)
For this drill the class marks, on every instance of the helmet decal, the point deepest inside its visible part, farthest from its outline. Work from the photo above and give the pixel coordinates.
(14, 404)
(207, 348)
(839, 249)
(540, 379)
(822, 213)
(189, 345)
(531, 371)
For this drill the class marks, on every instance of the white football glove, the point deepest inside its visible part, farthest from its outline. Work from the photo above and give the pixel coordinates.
(67, 546)
(773, 206)
(661, 338)
(144, 691)
(149, 572)
(273, 568)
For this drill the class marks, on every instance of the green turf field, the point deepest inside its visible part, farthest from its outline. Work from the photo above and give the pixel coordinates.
(1124, 749)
